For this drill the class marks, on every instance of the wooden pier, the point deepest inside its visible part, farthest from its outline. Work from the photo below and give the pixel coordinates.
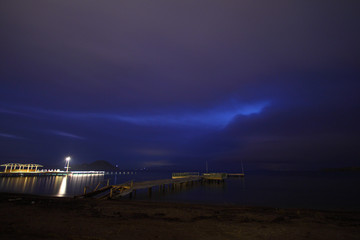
(48, 173)
(236, 174)
(32, 170)
(130, 188)
(215, 176)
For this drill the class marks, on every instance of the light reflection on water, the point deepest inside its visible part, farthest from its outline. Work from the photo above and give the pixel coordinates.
(60, 186)
(62, 190)
(308, 190)
(71, 185)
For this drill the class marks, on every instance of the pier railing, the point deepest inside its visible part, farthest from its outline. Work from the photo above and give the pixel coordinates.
(185, 174)
(177, 180)
(215, 176)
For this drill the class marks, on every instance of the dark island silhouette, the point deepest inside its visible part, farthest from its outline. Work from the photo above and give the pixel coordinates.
(100, 165)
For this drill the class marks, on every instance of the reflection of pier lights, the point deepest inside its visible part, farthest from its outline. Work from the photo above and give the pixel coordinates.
(62, 189)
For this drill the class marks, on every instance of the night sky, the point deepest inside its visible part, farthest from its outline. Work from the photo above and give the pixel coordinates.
(173, 84)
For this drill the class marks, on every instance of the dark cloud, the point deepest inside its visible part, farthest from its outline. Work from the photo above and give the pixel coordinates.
(125, 80)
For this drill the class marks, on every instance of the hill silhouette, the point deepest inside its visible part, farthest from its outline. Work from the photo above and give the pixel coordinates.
(97, 165)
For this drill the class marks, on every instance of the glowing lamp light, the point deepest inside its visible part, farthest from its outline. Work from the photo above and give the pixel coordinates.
(68, 162)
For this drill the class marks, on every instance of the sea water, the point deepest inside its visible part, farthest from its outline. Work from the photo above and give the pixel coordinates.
(315, 190)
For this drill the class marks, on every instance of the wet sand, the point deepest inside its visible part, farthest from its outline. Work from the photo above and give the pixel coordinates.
(35, 217)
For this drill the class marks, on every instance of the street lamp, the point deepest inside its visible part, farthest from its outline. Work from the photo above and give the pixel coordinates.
(67, 159)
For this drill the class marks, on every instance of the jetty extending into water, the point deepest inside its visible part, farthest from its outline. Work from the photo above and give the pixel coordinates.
(49, 173)
(236, 175)
(32, 170)
(178, 180)
(130, 188)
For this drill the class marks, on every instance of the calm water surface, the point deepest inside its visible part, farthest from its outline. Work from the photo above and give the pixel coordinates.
(317, 190)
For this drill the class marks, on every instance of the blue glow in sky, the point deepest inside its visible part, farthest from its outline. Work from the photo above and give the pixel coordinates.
(66, 134)
(5, 135)
(216, 117)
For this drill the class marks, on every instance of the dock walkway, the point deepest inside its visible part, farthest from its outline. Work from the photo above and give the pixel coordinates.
(49, 173)
(128, 188)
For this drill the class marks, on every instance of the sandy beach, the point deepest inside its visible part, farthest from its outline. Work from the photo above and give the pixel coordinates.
(36, 217)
